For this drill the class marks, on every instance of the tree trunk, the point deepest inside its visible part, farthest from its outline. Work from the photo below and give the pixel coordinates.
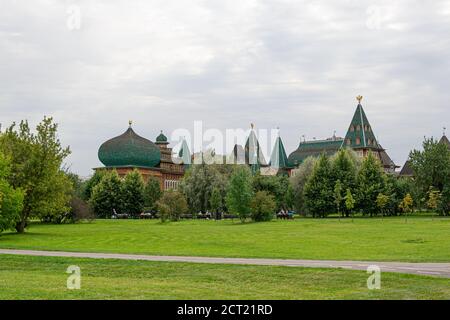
(20, 226)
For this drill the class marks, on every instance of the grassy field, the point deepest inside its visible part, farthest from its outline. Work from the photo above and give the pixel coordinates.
(420, 239)
(24, 277)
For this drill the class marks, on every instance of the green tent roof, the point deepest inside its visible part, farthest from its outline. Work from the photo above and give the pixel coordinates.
(360, 133)
(279, 158)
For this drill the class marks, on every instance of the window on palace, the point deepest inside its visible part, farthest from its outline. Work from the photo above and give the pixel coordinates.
(349, 142)
(358, 141)
(369, 142)
(358, 127)
(352, 128)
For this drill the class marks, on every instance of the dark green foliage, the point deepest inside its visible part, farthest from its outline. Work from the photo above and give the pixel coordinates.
(172, 205)
(263, 206)
(319, 189)
(274, 185)
(11, 200)
(91, 183)
(36, 161)
(133, 194)
(239, 192)
(107, 195)
(216, 201)
(198, 184)
(432, 170)
(370, 183)
(344, 171)
(152, 193)
(298, 181)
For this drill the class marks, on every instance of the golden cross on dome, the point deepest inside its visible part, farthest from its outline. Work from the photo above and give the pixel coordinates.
(359, 98)
(130, 122)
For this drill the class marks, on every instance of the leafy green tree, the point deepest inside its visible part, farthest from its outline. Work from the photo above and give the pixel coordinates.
(240, 192)
(382, 202)
(11, 200)
(216, 201)
(36, 161)
(152, 193)
(338, 198)
(406, 205)
(133, 198)
(198, 184)
(274, 185)
(298, 181)
(263, 206)
(370, 183)
(319, 189)
(344, 168)
(349, 202)
(432, 165)
(434, 199)
(107, 195)
(172, 205)
(91, 183)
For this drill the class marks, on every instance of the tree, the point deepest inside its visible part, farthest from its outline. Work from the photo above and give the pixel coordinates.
(263, 206)
(382, 202)
(406, 205)
(298, 181)
(91, 183)
(216, 201)
(133, 199)
(370, 183)
(107, 195)
(344, 169)
(349, 201)
(319, 189)
(36, 161)
(198, 184)
(172, 205)
(338, 198)
(152, 193)
(240, 193)
(11, 200)
(434, 199)
(431, 166)
(274, 185)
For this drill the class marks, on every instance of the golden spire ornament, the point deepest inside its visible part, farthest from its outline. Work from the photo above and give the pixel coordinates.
(359, 98)
(130, 122)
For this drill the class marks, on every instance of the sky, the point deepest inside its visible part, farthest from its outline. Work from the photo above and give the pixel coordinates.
(297, 65)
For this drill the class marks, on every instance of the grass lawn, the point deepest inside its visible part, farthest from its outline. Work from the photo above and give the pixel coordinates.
(23, 277)
(420, 239)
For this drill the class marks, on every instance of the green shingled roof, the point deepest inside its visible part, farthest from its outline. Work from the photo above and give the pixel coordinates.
(129, 149)
(253, 154)
(314, 149)
(360, 134)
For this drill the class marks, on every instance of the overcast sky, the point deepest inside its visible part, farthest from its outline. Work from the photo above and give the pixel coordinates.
(297, 65)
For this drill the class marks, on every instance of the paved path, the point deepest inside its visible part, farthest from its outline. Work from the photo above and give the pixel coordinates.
(432, 269)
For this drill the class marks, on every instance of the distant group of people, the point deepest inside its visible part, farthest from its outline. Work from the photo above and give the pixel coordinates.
(283, 214)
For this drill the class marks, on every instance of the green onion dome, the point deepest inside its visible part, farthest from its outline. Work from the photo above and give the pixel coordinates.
(129, 150)
(161, 139)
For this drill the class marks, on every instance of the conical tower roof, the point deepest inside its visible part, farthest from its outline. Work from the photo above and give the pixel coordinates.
(253, 154)
(360, 133)
(184, 153)
(279, 159)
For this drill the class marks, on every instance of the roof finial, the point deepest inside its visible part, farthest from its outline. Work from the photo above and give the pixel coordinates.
(444, 131)
(278, 131)
(130, 123)
(252, 125)
(359, 98)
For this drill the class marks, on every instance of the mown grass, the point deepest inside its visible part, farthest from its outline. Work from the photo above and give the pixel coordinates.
(421, 239)
(26, 277)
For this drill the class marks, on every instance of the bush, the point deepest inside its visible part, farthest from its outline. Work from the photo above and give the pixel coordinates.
(263, 206)
(172, 205)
